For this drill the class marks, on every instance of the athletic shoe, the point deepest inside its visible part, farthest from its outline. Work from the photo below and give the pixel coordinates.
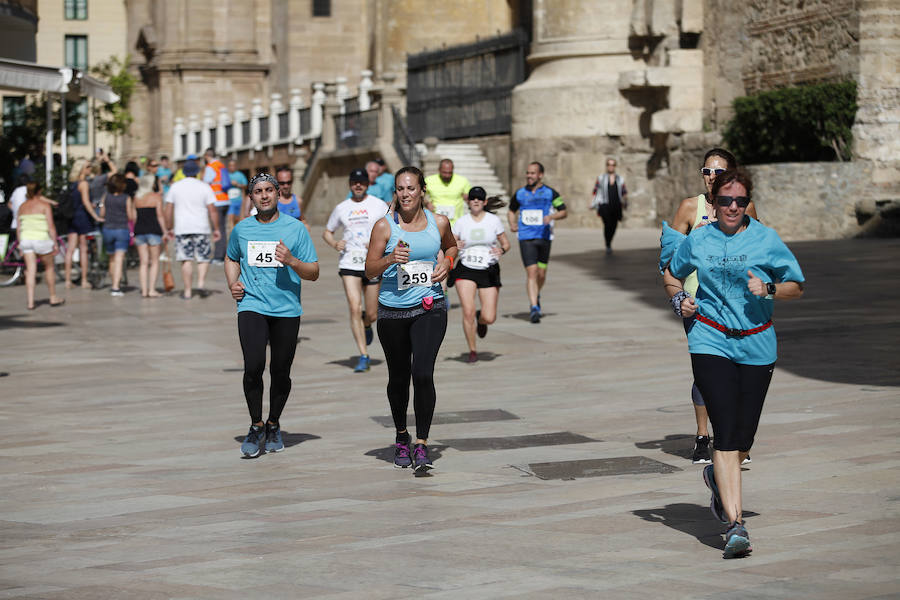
(715, 501)
(273, 438)
(402, 456)
(535, 314)
(420, 457)
(737, 541)
(370, 335)
(481, 328)
(473, 357)
(747, 460)
(255, 442)
(363, 365)
(701, 450)
(116, 293)
(539, 305)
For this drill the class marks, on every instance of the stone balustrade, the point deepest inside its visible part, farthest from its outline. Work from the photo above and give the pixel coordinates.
(265, 127)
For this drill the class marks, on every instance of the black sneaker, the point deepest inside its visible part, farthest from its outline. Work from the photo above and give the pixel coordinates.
(480, 328)
(254, 443)
(420, 458)
(402, 456)
(535, 314)
(274, 442)
(701, 451)
(737, 541)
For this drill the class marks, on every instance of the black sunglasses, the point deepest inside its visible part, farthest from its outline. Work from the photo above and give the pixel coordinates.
(288, 182)
(725, 201)
(707, 171)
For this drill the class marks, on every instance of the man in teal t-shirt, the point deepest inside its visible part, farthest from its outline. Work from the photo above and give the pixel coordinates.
(267, 257)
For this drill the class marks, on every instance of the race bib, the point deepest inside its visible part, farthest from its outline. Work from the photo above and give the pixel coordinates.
(446, 210)
(357, 259)
(262, 254)
(477, 257)
(532, 217)
(414, 274)
(234, 193)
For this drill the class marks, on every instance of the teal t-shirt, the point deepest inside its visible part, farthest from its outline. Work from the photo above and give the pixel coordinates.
(271, 291)
(722, 262)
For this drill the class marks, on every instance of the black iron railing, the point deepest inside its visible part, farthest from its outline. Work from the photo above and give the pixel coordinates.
(403, 142)
(354, 129)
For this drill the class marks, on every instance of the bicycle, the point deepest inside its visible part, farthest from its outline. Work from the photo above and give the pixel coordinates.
(12, 268)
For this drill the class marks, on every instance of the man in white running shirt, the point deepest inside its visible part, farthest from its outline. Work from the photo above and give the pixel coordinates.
(357, 215)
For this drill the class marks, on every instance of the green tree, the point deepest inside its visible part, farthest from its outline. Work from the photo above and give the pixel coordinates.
(115, 117)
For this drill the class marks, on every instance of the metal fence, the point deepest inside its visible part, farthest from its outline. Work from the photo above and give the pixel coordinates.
(358, 128)
(465, 91)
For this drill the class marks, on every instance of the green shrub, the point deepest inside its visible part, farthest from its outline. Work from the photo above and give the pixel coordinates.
(799, 124)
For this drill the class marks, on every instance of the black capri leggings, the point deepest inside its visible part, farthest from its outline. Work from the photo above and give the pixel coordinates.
(410, 349)
(734, 396)
(256, 331)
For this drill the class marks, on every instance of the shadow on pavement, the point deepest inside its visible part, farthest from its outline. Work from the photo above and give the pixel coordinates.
(350, 363)
(526, 316)
(289, 439)
(692, 519)
(482, 356)
(18, 321)
(678, 444)
(845, 328)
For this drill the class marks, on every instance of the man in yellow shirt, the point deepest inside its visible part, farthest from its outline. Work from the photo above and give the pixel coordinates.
(447, 192)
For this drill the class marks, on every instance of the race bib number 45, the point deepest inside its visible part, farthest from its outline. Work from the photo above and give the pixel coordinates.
(414, 274)
(262, 254)
(532, 217)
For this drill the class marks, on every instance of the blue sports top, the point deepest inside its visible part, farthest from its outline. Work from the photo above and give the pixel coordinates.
(423, 246)
(544, 199)
(272, 291)
(291, 209)
(722, 262)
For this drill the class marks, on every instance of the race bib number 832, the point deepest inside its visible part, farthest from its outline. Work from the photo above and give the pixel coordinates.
(262, 254)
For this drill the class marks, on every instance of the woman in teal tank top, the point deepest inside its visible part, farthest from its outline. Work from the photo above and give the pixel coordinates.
(412, 311)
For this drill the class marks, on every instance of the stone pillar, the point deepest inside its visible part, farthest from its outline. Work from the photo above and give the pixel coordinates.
(391, 96)
(193, 128)
(342, 92)
(178, 150)
(332, 109)
(316, 110)
(296, 104)
(256, 113)
(432, 161)
(224, 121)
(240, 115)
(208, 123)
(365, 86)
(275, 109)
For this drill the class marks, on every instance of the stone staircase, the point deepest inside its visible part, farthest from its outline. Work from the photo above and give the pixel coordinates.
(469, 161)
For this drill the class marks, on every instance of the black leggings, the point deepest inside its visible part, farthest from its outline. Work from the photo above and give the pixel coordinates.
(734, 396)
(410, 349)
(610, 215)
(256, 331)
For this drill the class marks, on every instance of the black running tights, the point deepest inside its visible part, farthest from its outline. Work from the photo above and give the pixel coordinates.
(610, 217)
(734, 396)
(256, 332)
(410, 349)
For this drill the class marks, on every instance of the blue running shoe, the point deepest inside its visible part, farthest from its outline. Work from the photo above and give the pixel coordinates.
(540, 310)
(420, 458)
(363, 365)
(370, 335)
(715, 501)
(274, 442)
(535, 314)
(737, 541)
(254, 442)
(402, 456)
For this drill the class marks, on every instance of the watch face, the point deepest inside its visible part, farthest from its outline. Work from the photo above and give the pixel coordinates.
(770, 288)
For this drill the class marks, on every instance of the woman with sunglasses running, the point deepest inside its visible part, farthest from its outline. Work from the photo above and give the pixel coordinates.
(694, 212)
(741, 266)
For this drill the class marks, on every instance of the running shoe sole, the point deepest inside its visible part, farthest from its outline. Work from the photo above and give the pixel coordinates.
(717, 511)
(245, 455)
(275, 450)
(702, 461)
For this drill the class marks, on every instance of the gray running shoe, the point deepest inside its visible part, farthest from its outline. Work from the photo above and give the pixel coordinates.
(737, 541)
(715, 501)
(254, 442)
(274, 443)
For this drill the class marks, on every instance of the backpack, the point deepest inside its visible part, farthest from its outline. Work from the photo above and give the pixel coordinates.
(65, 206)
(225, 179)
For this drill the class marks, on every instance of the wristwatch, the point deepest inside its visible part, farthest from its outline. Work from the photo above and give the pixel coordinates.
(770, 290)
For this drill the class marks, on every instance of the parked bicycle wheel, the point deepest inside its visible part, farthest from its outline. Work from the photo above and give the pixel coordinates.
(13, 265)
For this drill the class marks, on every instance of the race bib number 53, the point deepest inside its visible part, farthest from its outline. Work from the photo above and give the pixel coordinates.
(262, 254)
(414, 274)
(532, 217)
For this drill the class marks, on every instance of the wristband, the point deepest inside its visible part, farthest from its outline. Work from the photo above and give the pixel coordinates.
(450, 258)
(676, 302)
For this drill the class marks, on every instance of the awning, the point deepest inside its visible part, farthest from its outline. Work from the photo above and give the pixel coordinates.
(30, 77)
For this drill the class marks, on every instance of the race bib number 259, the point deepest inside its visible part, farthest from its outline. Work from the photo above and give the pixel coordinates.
(414, 274)
(262, 254)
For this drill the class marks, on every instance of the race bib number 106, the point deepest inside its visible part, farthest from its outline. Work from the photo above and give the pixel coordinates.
(414, 274)
(262, 254)
(532, 217)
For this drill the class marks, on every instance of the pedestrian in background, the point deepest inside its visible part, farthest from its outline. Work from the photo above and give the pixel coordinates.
(610, 200)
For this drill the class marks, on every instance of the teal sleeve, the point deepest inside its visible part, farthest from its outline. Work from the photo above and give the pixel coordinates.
(669, 241)
(682, 264)
(234, 246)
(783, 264)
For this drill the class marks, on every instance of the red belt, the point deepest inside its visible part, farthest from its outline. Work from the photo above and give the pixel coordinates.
(733, 332)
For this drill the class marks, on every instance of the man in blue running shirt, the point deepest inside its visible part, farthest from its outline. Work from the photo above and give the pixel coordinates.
(531, 211)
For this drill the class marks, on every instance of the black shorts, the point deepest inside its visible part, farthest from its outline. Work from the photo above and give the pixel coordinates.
(361, 275)
(483, 278)
(534, 252)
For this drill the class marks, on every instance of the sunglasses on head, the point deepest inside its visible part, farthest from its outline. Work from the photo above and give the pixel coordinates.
(725, 201)
(707, 171)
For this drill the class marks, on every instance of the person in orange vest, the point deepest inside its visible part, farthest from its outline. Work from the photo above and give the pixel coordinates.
(216, 175)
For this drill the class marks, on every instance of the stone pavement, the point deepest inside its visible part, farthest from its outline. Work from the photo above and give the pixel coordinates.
(122, 419)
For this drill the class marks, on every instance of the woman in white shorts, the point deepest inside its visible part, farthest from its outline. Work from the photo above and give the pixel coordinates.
(37, 238)
(481, 240)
